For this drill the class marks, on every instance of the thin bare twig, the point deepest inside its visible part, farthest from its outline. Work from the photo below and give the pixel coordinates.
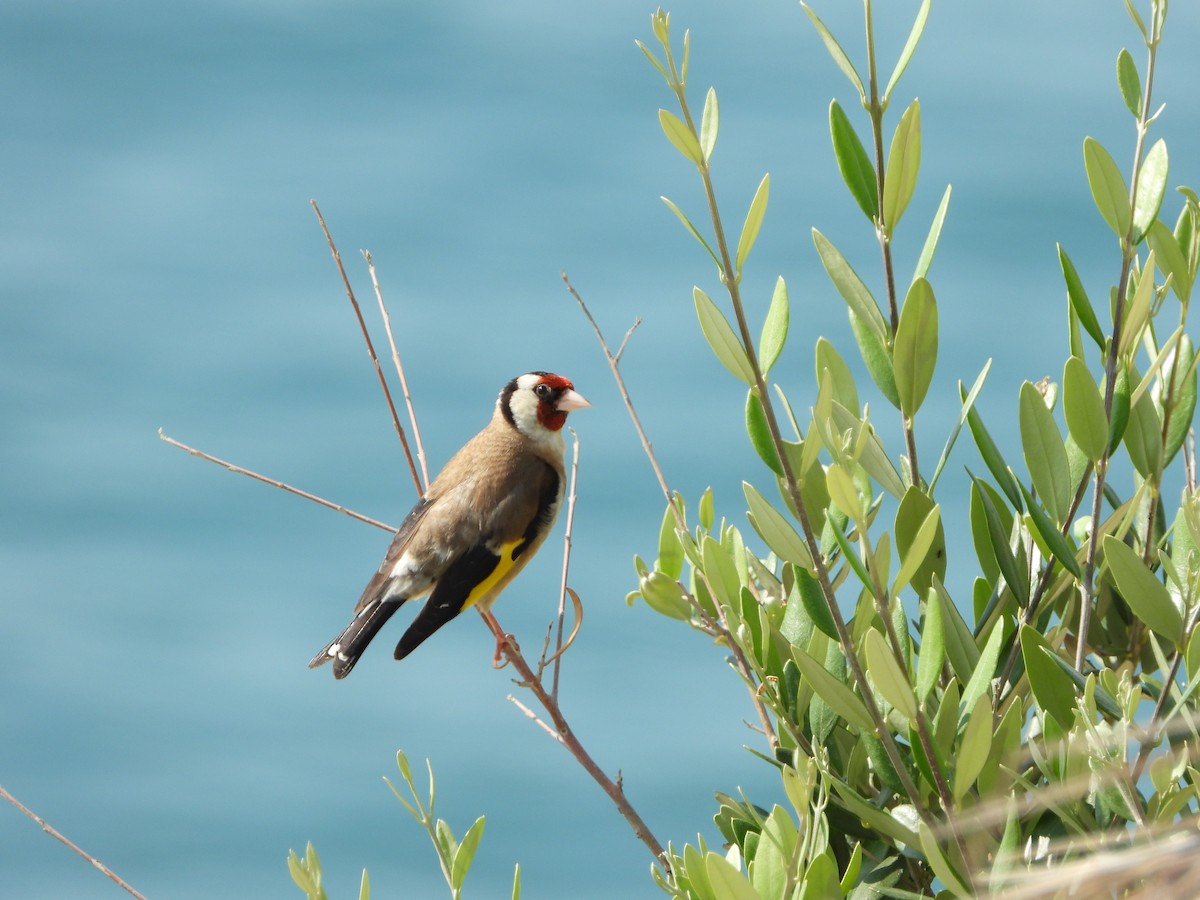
(742, 664)
(412, 413)
(59, 836)
(337, 258)
(238, 470)
(562, 595)
(562, 732)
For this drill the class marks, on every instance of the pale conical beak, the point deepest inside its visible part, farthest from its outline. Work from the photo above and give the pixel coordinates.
(570, 400)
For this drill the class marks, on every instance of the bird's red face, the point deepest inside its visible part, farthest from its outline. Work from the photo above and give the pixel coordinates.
(556, 397)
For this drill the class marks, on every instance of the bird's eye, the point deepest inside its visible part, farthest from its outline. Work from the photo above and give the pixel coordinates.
(542, 390)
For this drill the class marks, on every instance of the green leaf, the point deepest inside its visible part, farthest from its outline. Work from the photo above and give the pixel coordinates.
(992, 458)
(1119, 417)
(720, 337)
(840, 698)
(933, 649)
(1129, 82)
(670, 550)
(910, 46)
(1045, 453)
(828, 359)
(1143, 438)
(866, 444)
(775, 328)
(998, 535)
(961, 650)
(889, 679)
(754, 220)
(768, 872)
(665, 596)
(1170, 259)
(662, 70)
(1146, 595)
(466, 853)
(836, 51)
(850, 286)
(904, 162)
(710, 124)
(364, 887)
(1137, 310)
(1056, 543)
(925, 260)
(1108, 187)
(1185, 398)
(516, 891)
(1053, 690)
(853, 162)
(915, 353)
(1151, 186)
(680, 136)
(808, 589)
(985, 669)
(687, 223)
(928, 551)
(878, 360)
(727, 882)
(776, 532)
(760, 433)
(1079, 301)
(721, 572)
(1083, 408)
(973, 751)
(1137, 19)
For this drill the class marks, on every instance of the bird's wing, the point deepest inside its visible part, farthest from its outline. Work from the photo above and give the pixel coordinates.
(400, 542)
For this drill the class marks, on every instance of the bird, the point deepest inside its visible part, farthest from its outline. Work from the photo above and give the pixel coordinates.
(477, 525)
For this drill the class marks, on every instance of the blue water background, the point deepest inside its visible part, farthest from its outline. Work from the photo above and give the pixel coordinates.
(160, 266)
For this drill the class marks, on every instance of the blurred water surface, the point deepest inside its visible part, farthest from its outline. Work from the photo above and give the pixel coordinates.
(161, 267)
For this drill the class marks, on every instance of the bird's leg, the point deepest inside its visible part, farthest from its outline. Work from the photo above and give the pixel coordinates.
(503, 641)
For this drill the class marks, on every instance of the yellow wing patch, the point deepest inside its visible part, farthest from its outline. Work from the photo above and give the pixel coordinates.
(505, 569)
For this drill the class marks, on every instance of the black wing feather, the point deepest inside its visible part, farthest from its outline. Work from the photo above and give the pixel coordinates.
(449, 597)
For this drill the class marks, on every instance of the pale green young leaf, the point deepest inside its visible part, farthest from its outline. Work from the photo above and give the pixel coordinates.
(775, 328)
(1083, 408)
(868, 449)
(465, 854)
(680, 136)
(775, 530)
(1137, 19)
(754, 220)
(842, 490)
(1129, 82)
(850, 286)
(1108, 187)
(1045, 453)
(720, 337)
(912, 558)
(910, 46)
(710, 123)
(841, 378)
(662, 70)
(516, 891)
(836, 51)
(889, 679)
(856, 167)
(364, 887)
(687, 223)
(722, 573)
(903, 165)
(925, 260)
(927, 551)
(915, 352)
(874, 351)
(1078, 299)
(1151, 186)
(1146, 595)
(728, 882)
(1137, 309)
(840, 698)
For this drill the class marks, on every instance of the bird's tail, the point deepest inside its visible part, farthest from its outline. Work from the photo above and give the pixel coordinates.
(347, 647)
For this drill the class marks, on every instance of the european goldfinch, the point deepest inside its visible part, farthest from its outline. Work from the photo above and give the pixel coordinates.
(479, 523)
